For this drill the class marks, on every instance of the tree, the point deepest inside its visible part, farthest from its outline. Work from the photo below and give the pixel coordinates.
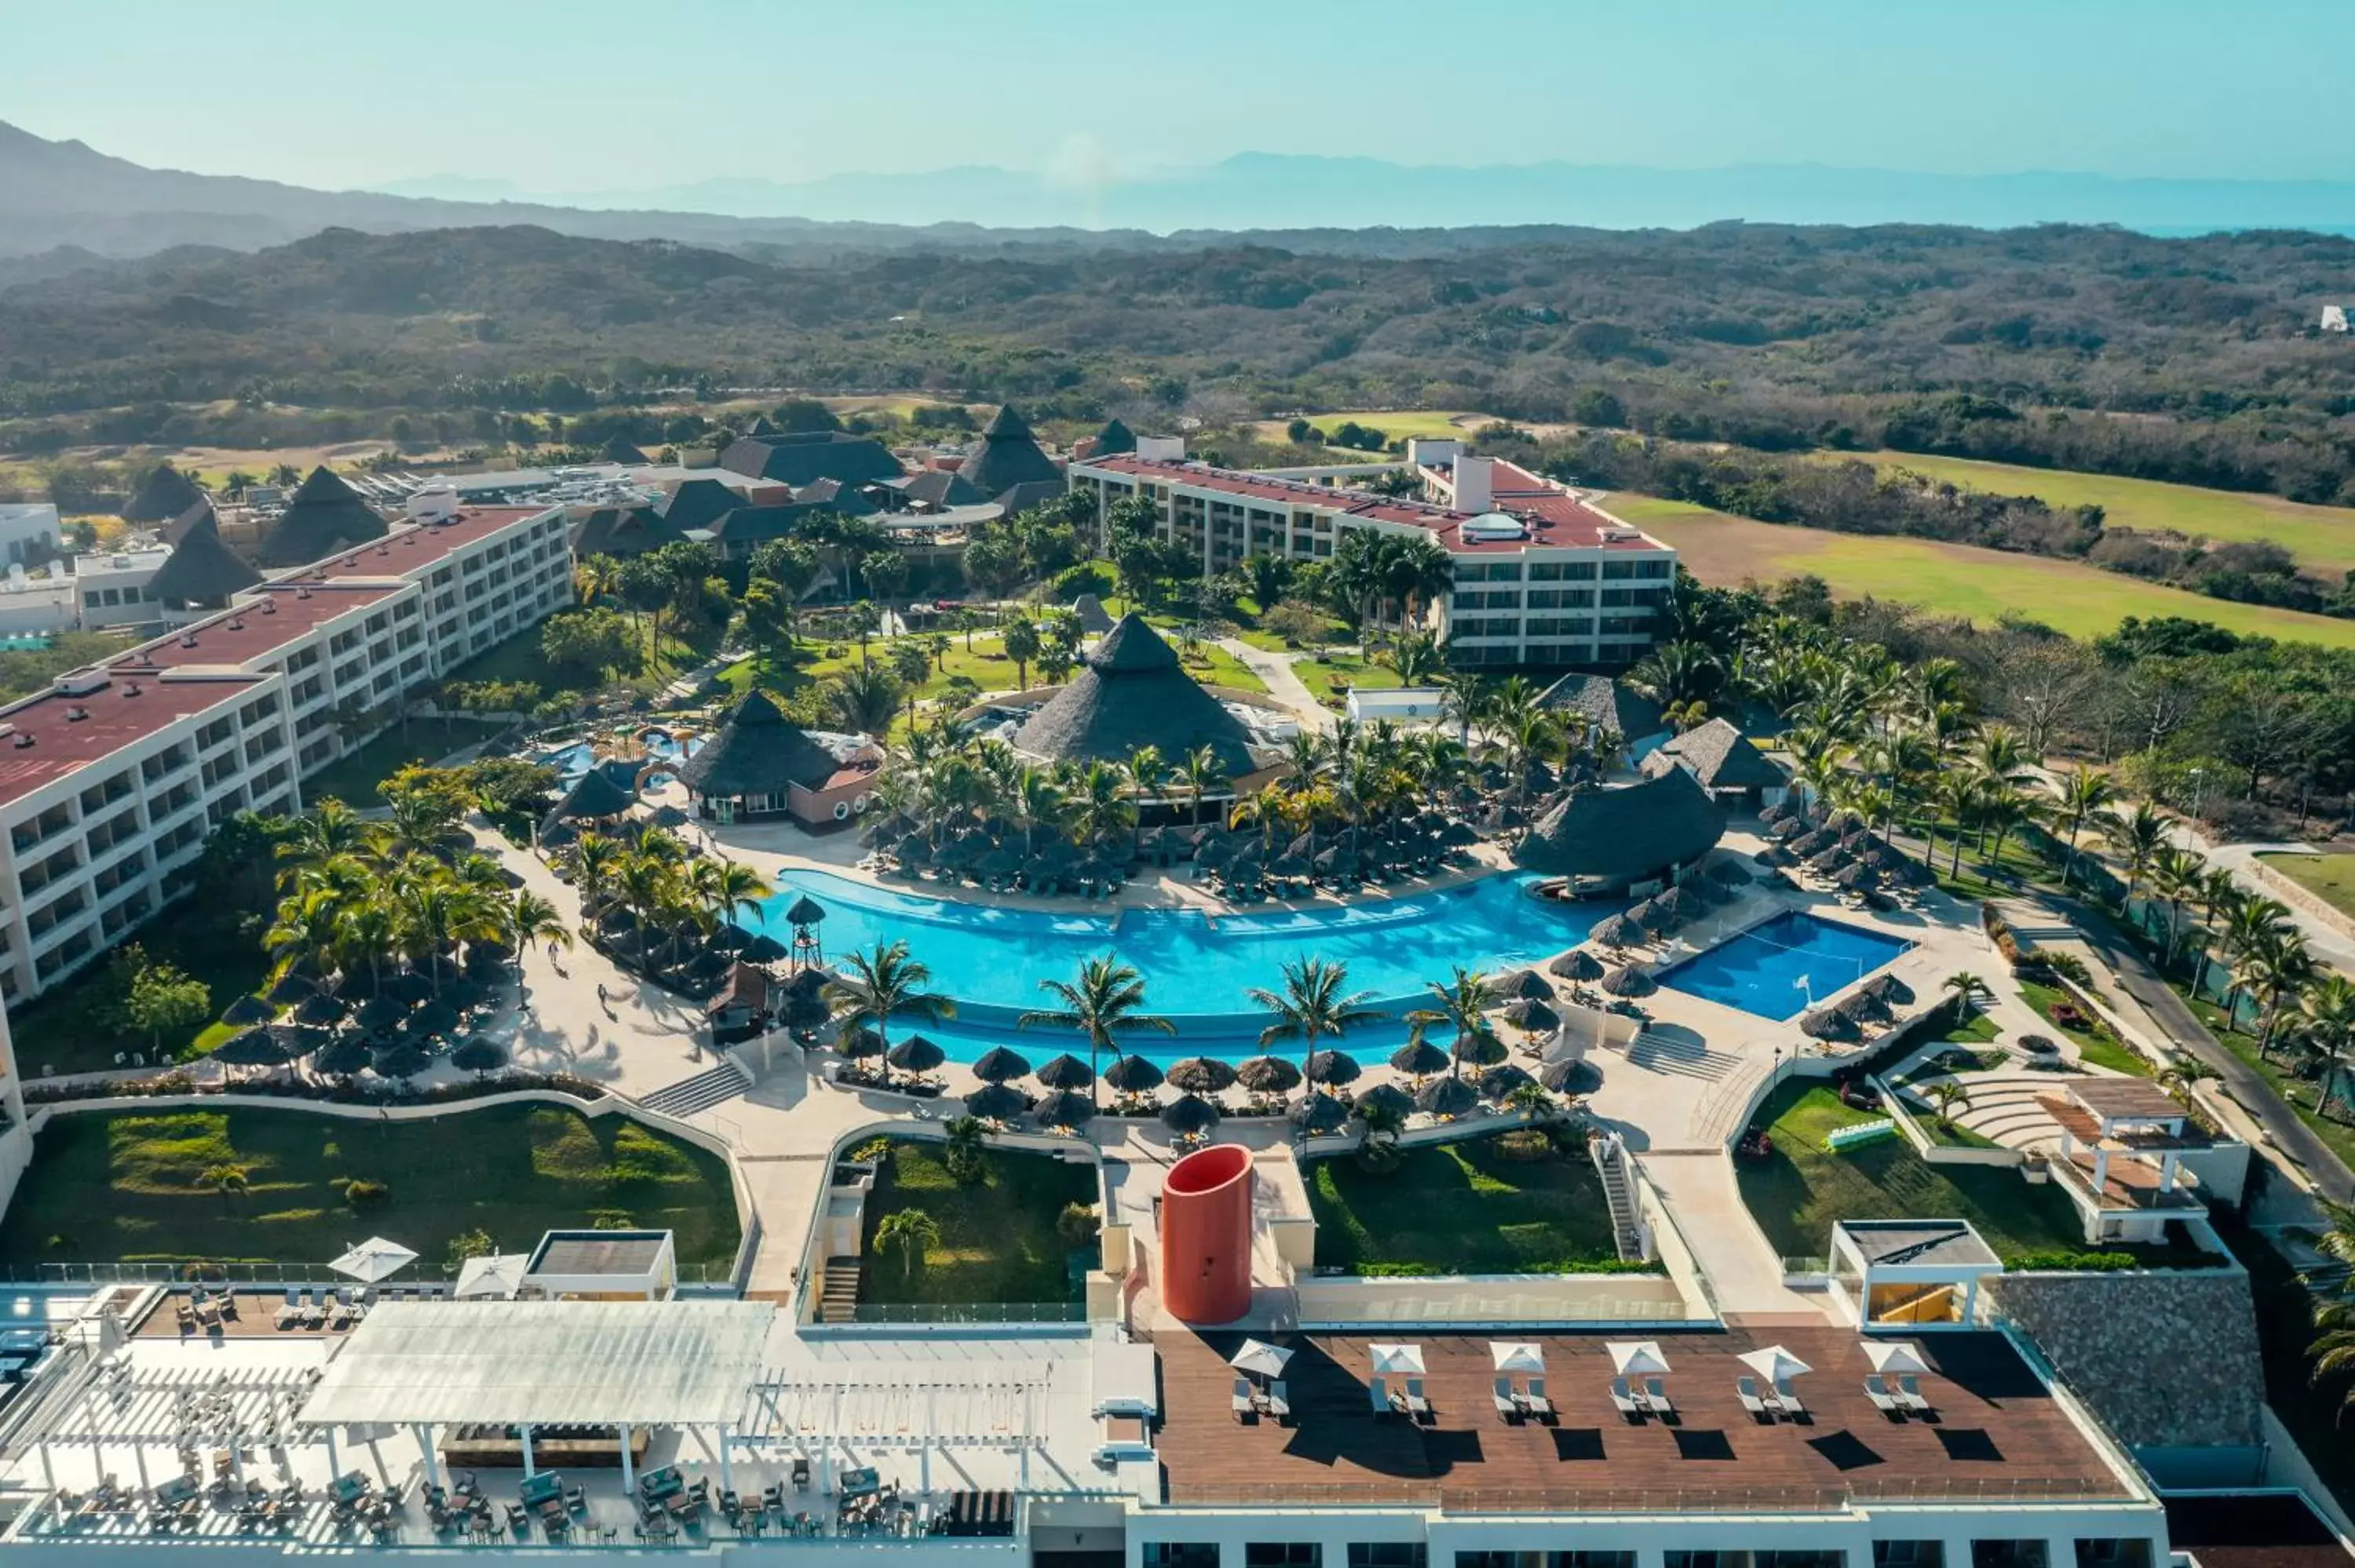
(863, 698)
(475, 1243)
(911, 1233)
(590, 642)
(2327, 1021)
(964, 1152)
(1417, 659)
(1948, 1094)
(2334, 1349)
(881, 983)
(1463, 1002)
(1103, 1000)
(165, 997)
(885, 572)
(1962, 985)
(2140, 836)
(1022, 646)
(1312, 1004)
(1199, 772)
(225, 1178)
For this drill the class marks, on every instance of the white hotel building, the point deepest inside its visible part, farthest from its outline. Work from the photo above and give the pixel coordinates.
(1543, 576)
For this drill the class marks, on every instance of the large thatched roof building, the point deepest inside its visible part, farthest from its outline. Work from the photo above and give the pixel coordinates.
(806, 457)
(1008, 455)
(761, 764)
(621, 531)
(1131, 692)
(1609, 704)
(323, 516)
(163, 495)
(1722, 760)
(202, 571)
(1607, 840)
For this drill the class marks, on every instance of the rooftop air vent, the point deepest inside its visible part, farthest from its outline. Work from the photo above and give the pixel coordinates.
(270, 607)
(21, 740)
(301, 593)
(133, 689)
(81, 682)
(76, 714)
(187, 640)
(237, 625)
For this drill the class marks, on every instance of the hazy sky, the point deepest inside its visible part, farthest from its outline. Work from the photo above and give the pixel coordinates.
(593, 94)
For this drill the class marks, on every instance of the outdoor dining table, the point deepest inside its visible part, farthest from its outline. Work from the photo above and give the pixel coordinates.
(178, 1490)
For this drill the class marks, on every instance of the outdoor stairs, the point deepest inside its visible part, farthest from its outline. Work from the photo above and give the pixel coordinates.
(699, 1093)
(1626, 1226)
(837, 1300)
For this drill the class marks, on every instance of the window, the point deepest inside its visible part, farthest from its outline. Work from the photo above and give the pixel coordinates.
(1909, 1554)
(1283, 1554)
(1181, 1554)
(2113, 1552)
(2007, 1555)
(1388, 1554)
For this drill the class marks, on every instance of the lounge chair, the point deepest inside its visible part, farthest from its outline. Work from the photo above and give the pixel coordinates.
(1655, 1395)
(1909, 1394)
(1623, 1399)
(290, 1314)
(1535, 1402)
(1240, 1402)
(339, 1311)
(1378, 1393)
(1748, 1390)
(1878, 1391)
(1416, 1405)
(1279, 1402)
(1508, 1409)
(1788, 1398)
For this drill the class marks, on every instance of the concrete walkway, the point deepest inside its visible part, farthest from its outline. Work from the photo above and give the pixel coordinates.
(2325, 940)
(1284, 687)
(1744, 1274)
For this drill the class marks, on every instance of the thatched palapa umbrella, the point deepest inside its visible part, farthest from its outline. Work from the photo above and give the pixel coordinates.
(1826, 1023)
(248, 1009)
(1524, 985)
(1628, 981)
(1446, 1097)
(1319, 1113)
(479, 1056)
(915, 1054)
(1419, 1058)
(1189, 1115)
(1501, 1082)
(1532, 1015)
(1268, 1075)
(997, 1066)
(1334, 1067)
(1201, 1075)
(1065, 1072)
(1619, 931)
(994, 1102)
(1132, 1074)
(1578, 964)
(1385, 1100)
(1570, 1076)
(1067, 1108)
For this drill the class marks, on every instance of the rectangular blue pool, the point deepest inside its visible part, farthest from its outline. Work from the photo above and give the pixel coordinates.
(1781, 966)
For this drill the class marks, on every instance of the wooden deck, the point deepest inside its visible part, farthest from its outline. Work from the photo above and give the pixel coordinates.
(1999, 1432)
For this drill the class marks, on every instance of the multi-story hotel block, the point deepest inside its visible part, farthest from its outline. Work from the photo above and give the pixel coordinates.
(1542, 575)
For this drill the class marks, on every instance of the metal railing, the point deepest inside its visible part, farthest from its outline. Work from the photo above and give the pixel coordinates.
(967, 1312)
(253, 1271)
(1696, 1498)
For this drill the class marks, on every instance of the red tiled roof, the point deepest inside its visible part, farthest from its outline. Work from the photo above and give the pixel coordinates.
(411, 548)
(129, 708)
(1555, 519)
(255, 628)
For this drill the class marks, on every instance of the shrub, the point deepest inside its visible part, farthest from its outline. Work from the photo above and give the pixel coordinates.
(2040, 1045)
(1525, 1145)
(1078, 1226)
(2065, 1261)
(361, 1192)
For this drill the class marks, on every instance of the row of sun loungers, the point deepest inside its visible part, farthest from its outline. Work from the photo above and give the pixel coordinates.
(1906, 1401)
(327, 1310)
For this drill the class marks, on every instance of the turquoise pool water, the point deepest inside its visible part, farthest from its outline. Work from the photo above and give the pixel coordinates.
(1776, 967)
(1196, 967)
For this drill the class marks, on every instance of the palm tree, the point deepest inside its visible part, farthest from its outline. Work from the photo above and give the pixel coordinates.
(2003, 809)
(728, 887)
(1948, 1094)
(2078, 796)
(2276, 973)
(2250, 926)
(2176, 876)
(596, 865)
(2140, 836)
(911, 1233)
(2334, 1349)
(531, 920)
(1312, 1004)
(1100, 804)
(881, 983)
(2326, 1019)
(1463, 701)
(329, 831)
(863, 698)
(1955, 794)
(1199, 772)
(1962, 985)
(1106, 999)
(1416, 658)
(1463, 1002)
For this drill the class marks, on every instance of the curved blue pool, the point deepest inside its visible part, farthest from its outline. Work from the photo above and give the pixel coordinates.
(1197, 968)
(1778, 968)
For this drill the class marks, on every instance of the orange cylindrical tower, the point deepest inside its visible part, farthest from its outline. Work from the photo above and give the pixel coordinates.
(1205, 1235)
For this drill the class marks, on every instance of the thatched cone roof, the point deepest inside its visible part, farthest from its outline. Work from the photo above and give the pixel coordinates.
(1065, 1072)
(201, 569)
(997, 1063)
(1133, 1075)
(619, 449)
(1447, 1096)
(1626, 834)
(1268, 1075)
(1115, 437)
(1132, 692)
(1335, 1067)
(324, 515)
(758, 750)
(1318, 1113)
(163, 495)
(993, 1102)
(1201, 1075)
(1628, 982)
(1578, 964)
(1008, 455)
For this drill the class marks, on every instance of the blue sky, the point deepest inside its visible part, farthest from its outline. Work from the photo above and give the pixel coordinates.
(592, 94)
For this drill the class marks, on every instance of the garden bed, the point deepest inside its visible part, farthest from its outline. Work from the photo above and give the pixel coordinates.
(1462, 1208)
(998, 1238)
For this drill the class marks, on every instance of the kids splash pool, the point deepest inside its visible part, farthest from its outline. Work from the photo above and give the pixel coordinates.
(1197, 967)
(1781, 966)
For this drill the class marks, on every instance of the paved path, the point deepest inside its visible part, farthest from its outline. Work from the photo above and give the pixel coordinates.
(2324, 939)
(1284, 686)
(1745, 1274)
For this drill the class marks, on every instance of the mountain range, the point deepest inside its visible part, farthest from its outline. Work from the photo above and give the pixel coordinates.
(56, 193)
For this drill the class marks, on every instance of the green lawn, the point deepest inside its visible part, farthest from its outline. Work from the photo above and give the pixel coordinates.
(353, 777)
(519, 659)
(998, 1242)
(1979, 584)
(124, 1186)
(1461, 1208)
(2321, 537)
(60, 1031)
(2329, 877)
(986, 665)
(1328, 676)
(1398, 424)
(1799, 1191)
(2097, 1045)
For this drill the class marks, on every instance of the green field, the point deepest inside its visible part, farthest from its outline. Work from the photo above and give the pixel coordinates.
(1358, 672)
(1398, 424)
(998, 1241)
(1461, 1208)
(2321, 537)
(130, 1185)
(353, 776)
(1979, 585)
(2329, 877)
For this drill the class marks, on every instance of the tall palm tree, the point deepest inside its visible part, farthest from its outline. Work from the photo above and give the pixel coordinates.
(2251, 928)
(1463, 1001)
(1106, 999)
(2176, 876)
(2334, 1349)
(2078, 796)
(2003, 810)
(2327, 1020)
(881, 983)
(1100, 804)
(596, 863)
(1199, 772)
(1312, 1004)
(532, 920)
(328, 831)
(2280, 970)
(2138, 836)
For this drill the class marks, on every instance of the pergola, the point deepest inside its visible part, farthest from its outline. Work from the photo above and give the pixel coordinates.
(524, 1365)
(921, 1409)
(119, 1401)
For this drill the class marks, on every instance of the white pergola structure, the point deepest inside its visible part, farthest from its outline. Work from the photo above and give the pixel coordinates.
(624, 1364)
(122, 1401)
(921, 1407)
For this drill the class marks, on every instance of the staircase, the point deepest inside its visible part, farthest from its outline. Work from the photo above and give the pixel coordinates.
(837, 1300)
(699, 1093)
(1610, 1155)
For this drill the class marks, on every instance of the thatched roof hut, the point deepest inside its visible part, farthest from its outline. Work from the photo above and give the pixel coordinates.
(1008, 455)
(1132, 692)
(1605, 704)
(758, 752)
(201, 569)
(323, 516)
(1618, 836)
(163, 495)
(1577, 964)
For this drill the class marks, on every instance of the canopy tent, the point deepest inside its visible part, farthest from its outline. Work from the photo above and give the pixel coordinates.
(546, 1363)
(374, 1259)
(1637, 1357)
(1514, 1356)
(1260, 1358)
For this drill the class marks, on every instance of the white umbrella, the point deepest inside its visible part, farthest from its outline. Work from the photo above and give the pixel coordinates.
(1893, 1356)
(374, 1259)
(495, 1276)
(1637, 1357)
(1394, 1360)
(1511, 1357)
(1775, 1363)
(1260, 1357)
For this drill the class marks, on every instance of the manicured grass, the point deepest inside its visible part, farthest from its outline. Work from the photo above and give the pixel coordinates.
(519, 659)
(1979, 584)
(1799, 1191)
(2096, 1045)
(1214, 666)
(1398, 424)
(987, 666)
(2321, 537)
(998, 1241)
(1461, 1208)
(2329, 877)
(1327, 676)
(353, 777)
(60, 1031)
(126, 1186)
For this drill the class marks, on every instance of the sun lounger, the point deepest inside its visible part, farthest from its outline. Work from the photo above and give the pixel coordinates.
(313, 1315)
(1757, 1407)
(1507, 1407)
(1279, 1402)
(1241, 1403)
(1878, 1391)
(1655, 1395)
(339, 1311)
(1378, 1393)
(1623, 1399)
(1417, 1406)
(290, 1314)
(1534, 1399)
(1909, 1394)
(1788, 1398)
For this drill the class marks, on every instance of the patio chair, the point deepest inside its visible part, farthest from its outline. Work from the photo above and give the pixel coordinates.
(575, 1498)
(1417, 1406)
(1878, 1391)
(314, 1314)
(1240, 1402)
(1508, 1409)
(1655, 1395)
(1279, 1403)
(1534, 1401)
(1624, 1400)
(339, 1311)
(1909, 1394)
(1378, 1393)
(1788, 1398)
(290, 1314)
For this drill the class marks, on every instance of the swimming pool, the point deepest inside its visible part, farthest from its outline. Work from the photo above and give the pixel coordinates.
(1780, 967)
(1197, 968)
